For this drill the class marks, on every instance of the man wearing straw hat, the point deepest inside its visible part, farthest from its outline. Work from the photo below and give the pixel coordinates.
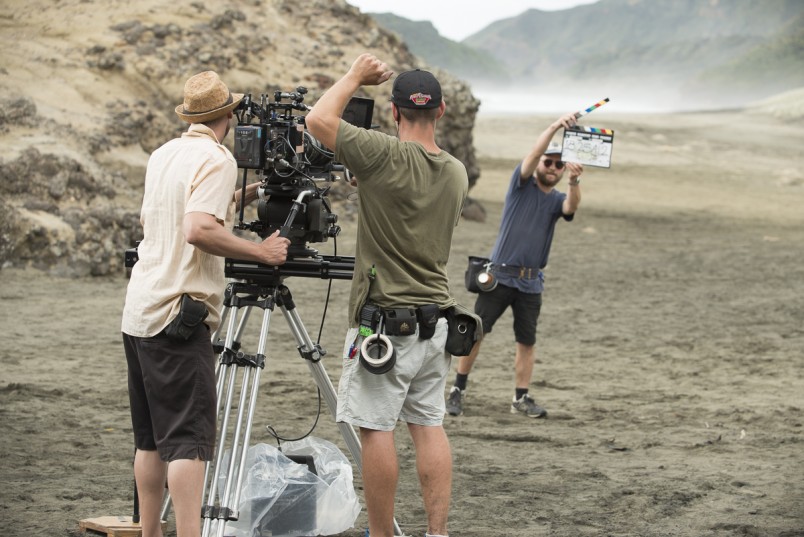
(174, 300)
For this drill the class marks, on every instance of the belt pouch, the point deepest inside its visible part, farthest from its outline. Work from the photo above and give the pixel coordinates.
(191, 313)
(475, 266)
(464, 329)
(399, 321)
(428, 319)
(369, 319)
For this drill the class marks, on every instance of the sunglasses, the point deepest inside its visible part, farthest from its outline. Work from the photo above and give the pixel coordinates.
(549, 162)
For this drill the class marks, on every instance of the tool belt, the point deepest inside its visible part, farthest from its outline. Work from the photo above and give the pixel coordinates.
(464, 327)
(400, 321)
(523, 273)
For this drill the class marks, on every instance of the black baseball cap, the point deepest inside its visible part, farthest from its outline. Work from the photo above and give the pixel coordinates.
(416, 89)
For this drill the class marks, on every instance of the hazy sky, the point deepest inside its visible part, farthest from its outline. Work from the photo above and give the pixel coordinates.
(458, 19)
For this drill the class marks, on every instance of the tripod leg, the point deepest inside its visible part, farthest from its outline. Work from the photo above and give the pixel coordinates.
(225, 390)
(323, 382)
(231, 495)
(215, 474)
(225, 375)
(220, 383)
(252, 406)
(135, 517)
(224, 316)
(165, 507)
(313, 354)
(237, 335)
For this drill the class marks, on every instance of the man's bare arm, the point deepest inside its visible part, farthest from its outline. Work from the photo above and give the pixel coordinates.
(325, 117)
(531, 160)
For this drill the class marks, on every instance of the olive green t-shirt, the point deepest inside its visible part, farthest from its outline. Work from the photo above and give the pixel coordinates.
(409, 204)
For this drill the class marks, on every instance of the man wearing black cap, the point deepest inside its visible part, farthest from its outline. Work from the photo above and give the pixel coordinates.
(174, 299)
(411, 196)
(532, 208)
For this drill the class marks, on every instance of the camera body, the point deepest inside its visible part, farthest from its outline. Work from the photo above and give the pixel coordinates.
(295, 168)
(296, 171)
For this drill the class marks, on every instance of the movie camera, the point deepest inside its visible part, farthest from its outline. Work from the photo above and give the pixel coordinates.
(295, 168)
(296, 172)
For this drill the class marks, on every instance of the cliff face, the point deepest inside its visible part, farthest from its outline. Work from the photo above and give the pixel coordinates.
(88, 89)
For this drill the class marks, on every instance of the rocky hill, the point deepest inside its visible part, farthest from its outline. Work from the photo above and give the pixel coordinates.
(88, 89)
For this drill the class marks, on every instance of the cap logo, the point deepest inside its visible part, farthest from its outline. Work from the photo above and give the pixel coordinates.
(420, 99)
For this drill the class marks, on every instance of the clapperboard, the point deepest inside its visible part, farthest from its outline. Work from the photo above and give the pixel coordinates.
(589, 146)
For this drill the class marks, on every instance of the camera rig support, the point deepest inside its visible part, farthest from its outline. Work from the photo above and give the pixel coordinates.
(273, 141)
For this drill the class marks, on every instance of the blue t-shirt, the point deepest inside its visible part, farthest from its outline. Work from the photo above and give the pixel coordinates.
(526, 231)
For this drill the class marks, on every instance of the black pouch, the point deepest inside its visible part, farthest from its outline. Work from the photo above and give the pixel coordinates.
(369, 319)
(399, 321)
(191, 313)
(476, 266)
(464, 329)
(428, 319)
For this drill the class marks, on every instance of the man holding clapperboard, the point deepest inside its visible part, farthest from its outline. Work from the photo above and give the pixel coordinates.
(513, 276)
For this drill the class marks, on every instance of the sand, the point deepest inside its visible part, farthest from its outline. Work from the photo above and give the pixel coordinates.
(670, 352)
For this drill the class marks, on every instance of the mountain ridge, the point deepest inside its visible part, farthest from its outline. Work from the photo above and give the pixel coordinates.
(685, 53)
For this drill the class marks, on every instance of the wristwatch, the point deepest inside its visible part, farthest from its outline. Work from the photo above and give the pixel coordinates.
(577, 181)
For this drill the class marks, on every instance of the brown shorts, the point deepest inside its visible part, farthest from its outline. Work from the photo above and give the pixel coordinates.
(171, 388)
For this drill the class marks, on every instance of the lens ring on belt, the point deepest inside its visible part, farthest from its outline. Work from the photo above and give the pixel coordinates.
(379, 345)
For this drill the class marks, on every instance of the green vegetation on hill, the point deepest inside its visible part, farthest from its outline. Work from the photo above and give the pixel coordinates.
(424, 41)
(715, 52)
(702, 32)
(777, 64)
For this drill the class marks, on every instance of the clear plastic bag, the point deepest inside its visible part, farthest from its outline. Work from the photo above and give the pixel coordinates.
(282, 498)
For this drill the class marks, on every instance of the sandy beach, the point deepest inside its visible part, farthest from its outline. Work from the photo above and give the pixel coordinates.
(670, 352)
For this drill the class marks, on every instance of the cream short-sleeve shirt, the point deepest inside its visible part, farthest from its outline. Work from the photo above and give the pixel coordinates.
(193, 173)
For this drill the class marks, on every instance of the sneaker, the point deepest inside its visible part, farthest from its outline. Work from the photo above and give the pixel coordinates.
(455, 401)
(527, 406)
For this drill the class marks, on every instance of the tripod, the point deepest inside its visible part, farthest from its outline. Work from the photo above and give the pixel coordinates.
(244, 297)
(258, 287)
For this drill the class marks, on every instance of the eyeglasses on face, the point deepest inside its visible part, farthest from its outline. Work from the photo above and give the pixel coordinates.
(549, 162)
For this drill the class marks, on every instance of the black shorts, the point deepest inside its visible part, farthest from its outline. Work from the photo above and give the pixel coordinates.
(171, 388)
(492, 304)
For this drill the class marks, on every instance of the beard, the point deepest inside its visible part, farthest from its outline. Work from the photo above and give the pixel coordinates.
(546, 181)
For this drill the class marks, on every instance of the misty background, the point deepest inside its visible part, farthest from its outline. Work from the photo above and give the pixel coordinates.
(645, 55)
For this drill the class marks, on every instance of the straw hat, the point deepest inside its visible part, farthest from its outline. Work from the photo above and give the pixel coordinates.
(206, 97)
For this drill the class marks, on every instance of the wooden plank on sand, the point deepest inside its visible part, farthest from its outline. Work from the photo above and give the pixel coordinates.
(114, 526)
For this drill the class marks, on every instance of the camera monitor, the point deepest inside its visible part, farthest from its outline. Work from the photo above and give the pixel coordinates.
(253, 141)
(359, 112)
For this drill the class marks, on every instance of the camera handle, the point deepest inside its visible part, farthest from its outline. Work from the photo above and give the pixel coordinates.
(243, 197)
(297, 205)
